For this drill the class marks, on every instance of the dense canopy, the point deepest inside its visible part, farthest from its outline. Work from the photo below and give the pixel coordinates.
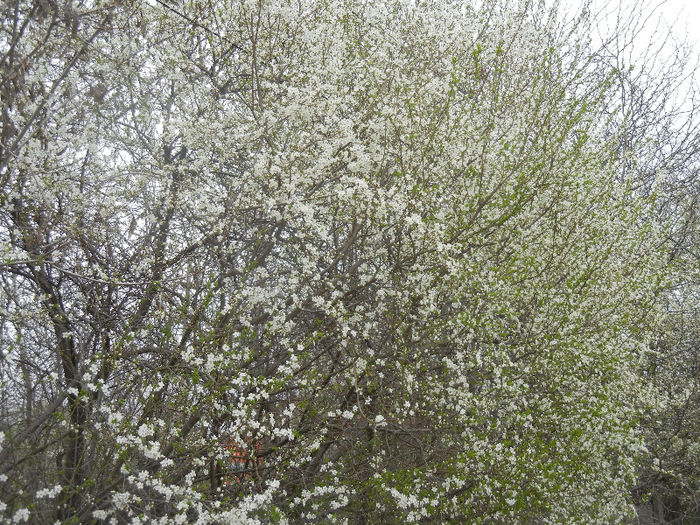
(306, 262)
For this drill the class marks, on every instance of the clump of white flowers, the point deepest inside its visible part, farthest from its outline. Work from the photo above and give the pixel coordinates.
(49, 492)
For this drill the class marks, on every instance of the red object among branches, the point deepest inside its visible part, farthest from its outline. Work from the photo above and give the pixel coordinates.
(242, 459)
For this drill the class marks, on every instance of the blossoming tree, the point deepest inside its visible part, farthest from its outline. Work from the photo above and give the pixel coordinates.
(382, 246)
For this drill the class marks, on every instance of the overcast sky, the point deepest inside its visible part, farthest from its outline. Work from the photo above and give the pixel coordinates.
(682, 16)
(660, 18)
(685, 14)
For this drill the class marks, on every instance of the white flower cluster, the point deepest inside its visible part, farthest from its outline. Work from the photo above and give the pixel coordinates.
(49, 492)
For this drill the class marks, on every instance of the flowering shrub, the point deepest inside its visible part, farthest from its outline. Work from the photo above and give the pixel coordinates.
(387, 240)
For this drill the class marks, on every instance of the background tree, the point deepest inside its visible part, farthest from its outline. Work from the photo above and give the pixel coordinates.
(656, 106)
